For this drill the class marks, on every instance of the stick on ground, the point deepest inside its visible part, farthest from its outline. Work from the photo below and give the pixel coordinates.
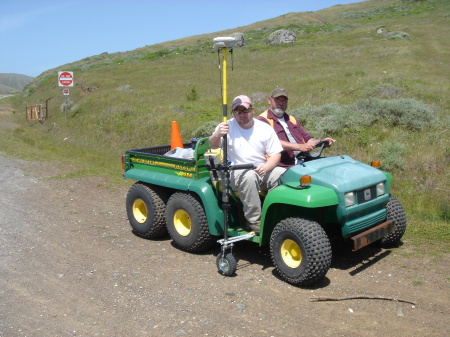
(320, 299)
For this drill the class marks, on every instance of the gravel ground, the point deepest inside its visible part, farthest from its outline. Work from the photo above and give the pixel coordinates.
(70, 266)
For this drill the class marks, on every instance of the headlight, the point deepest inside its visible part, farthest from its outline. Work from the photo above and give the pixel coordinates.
(380, 189)
(349, 199)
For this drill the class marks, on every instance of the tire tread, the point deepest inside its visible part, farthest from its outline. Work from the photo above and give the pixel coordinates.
(204, 240)
(396, 213)
(158, 197)
(317, 246)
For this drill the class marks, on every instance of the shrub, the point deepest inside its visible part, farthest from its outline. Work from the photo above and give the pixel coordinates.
(444, 210)
(333, 118)
(193, 95)
(124, 88)
(326, 119)
(396, 35)
(258, 97)
(406, 112)
(205, 130)
(156, 54)
(309, 116)
(386, 91)
(391, 155)
(362, 114)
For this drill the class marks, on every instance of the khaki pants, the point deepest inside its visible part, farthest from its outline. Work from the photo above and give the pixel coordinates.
(247, 184)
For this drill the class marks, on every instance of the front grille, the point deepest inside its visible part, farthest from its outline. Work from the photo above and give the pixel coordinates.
(366, 194)
(362, 223)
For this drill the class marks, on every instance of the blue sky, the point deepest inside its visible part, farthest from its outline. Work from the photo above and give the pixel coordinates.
(38, 35)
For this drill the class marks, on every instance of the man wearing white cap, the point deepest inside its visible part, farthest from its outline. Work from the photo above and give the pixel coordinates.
(250, 142)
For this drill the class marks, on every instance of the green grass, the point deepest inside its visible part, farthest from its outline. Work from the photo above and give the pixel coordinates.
(380, 98)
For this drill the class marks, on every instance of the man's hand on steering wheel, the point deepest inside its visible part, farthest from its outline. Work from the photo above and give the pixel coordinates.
(312, 144)
(307, 147)
(328, 141)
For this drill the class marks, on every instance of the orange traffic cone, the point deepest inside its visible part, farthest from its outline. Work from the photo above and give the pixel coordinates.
(176, 137)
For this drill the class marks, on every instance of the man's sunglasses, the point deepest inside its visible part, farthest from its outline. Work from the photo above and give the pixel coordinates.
(245, 111)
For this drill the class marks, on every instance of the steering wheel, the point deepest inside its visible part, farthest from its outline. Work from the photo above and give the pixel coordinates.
(305, 156)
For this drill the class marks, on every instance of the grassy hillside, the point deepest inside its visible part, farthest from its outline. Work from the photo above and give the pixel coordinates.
(10, 83)
(373, 75)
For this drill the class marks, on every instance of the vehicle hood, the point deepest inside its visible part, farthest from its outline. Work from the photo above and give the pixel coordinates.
(341, 173)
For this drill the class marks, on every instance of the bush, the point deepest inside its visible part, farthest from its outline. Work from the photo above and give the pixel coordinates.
(391, 155)
(333, 121)
(307, 114)
(396, 35)
(333, 118)
(444, 210)
(193, 95)
(124, 88)
(386, 91)
(408, 113)
(321, 121)
(205, 130)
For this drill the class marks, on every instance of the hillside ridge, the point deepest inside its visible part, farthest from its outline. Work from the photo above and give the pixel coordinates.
(11, 82)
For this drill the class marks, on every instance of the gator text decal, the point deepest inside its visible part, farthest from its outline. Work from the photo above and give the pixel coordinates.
(163, 164)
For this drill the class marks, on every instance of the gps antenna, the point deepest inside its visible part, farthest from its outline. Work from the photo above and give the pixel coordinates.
(222, 44)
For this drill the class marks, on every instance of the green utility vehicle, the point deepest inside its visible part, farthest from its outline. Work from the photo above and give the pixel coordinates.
(317, 200)
(188, 195)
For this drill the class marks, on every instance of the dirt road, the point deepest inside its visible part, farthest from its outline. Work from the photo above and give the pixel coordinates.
(70, 266)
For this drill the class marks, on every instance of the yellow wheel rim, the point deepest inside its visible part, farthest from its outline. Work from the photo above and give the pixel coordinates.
(182, 222)
(140, 211)
(291, 253)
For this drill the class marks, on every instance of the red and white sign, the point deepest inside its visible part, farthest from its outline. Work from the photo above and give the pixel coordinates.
(65, 78)
(65, 92)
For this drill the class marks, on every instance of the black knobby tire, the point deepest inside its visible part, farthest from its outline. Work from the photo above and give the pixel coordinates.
(396, 213)
(300, 250)
(187, 223)
(226, 264)
(145, 206)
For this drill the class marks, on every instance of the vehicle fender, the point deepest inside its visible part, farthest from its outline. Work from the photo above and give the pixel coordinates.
(313, 196)
(285, 201)
(388, 180)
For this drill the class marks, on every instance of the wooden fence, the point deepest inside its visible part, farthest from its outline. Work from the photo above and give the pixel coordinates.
(37, 112)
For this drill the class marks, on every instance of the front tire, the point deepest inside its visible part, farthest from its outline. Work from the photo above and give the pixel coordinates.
(396, 213)
(300, 250)
(226, 264)
(187, 223)
(145, 206)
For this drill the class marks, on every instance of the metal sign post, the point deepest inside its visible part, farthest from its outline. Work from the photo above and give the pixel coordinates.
(65, 79)
(65, 107)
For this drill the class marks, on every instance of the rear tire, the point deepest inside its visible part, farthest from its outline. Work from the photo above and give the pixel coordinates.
(145, 206)
(300, 250)
(396, 213)
(187, 223)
